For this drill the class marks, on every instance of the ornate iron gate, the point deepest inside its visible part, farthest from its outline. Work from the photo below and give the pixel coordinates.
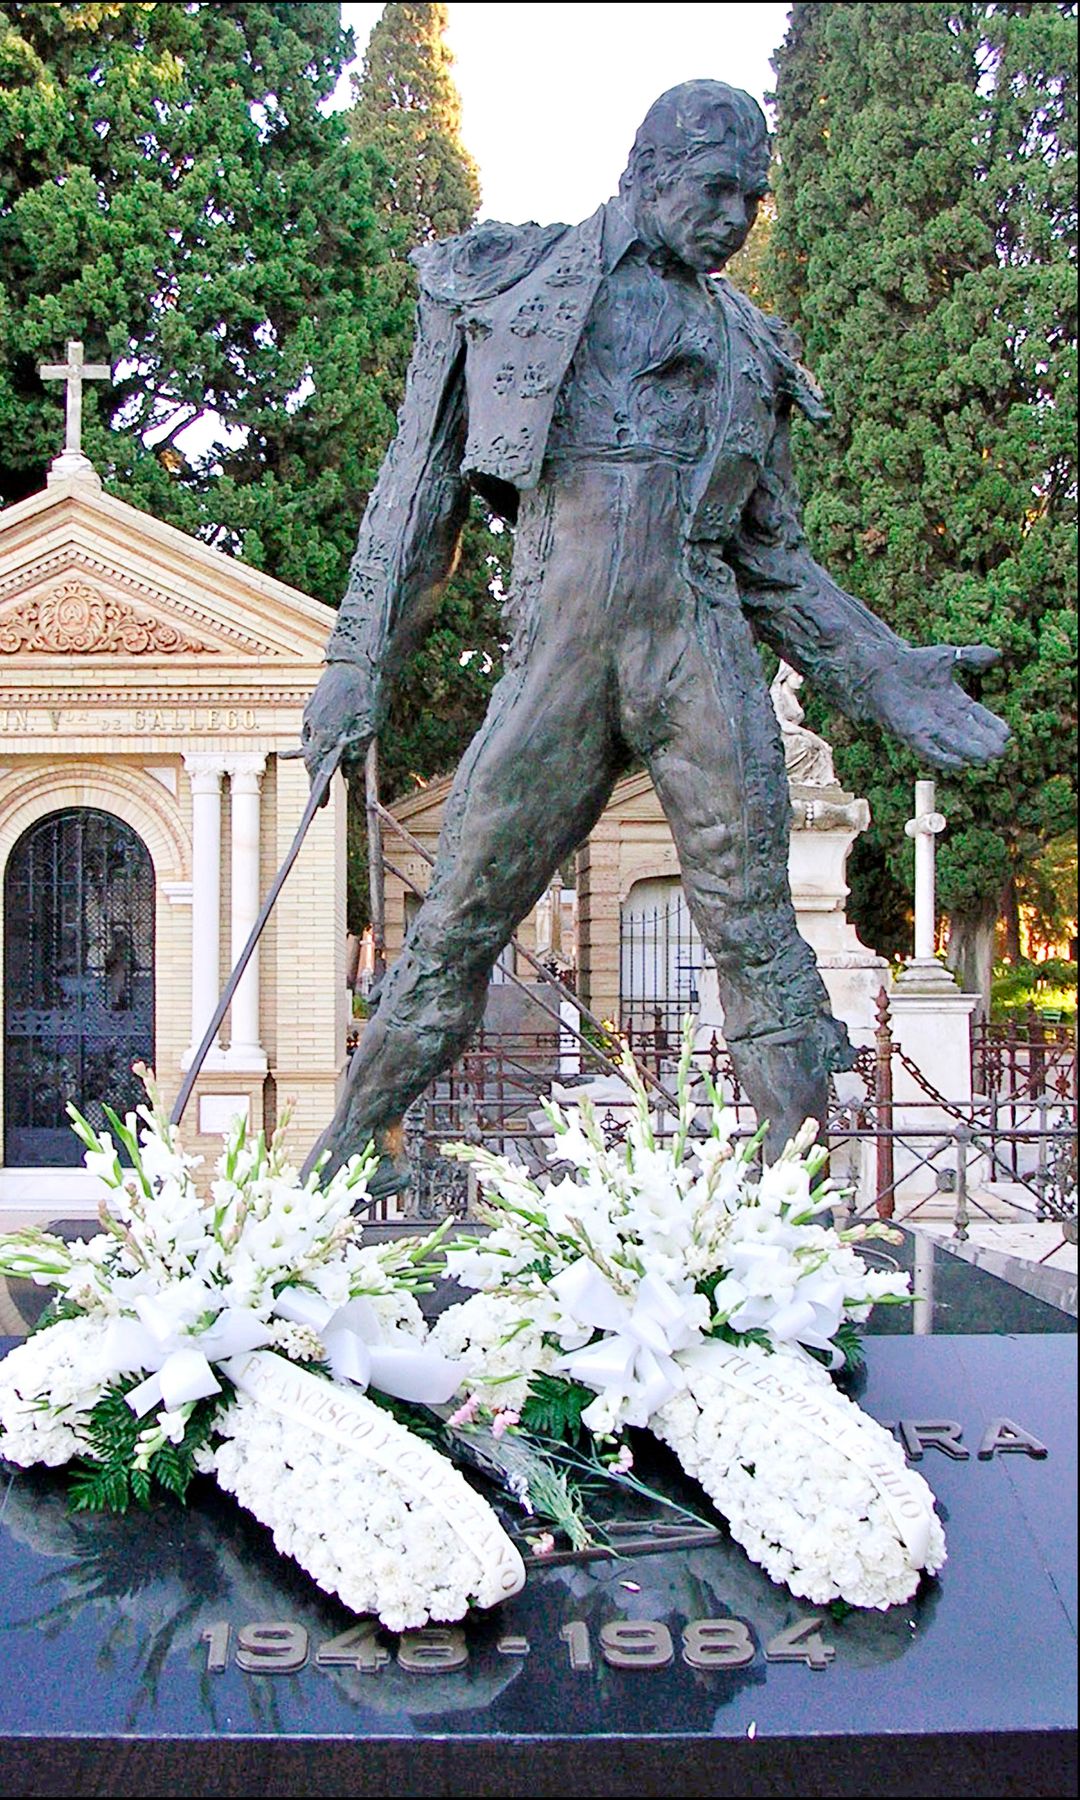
(78, 979)
(660, 960)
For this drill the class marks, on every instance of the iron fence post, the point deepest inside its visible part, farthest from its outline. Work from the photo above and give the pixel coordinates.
(962, 1137)
(1042, 1172)
(883, 1102)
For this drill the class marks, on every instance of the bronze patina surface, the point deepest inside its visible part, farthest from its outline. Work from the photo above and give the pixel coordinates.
(628, 411)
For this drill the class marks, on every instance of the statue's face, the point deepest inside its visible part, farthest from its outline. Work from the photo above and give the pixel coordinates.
(703, 213)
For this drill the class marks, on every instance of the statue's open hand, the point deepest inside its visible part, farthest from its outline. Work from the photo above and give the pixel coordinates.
(338, 713)
(921, 702)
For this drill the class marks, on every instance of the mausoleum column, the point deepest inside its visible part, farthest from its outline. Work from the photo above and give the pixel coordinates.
(245, 777)
(205, 770)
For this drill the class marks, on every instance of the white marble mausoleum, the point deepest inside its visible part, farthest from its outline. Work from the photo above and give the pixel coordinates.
(148, 684)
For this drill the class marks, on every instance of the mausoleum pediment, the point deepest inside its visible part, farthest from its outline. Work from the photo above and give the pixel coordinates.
(76, 605)
(84, 574)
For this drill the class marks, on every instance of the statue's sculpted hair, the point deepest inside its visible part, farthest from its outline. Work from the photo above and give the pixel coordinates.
(703, 115)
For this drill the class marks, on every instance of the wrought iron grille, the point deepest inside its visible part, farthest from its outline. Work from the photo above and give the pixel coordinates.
(78, 979)
(660, 961)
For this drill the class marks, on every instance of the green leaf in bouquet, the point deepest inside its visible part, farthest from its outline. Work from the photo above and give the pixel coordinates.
(553, 1407)
(756, 1334)
(111, 1476)
(55, 1313)
(850, 1345)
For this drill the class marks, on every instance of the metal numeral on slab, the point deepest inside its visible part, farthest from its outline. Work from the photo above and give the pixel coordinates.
(357, 1648)
(801, 1642)
(434, 1650)
(276, 1647)
(216, 1639)
(636, 1644)
(717, 1644)
(576, 1638)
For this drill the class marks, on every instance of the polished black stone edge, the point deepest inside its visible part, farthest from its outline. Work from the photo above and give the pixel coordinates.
(971, 1763)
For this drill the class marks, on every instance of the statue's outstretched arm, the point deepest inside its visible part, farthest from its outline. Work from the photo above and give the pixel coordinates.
(407, 547)
(851, 656)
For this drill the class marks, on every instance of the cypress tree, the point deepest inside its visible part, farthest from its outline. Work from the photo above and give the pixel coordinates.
(172, 192)
(406, 115)
(406, 120)
(925, 248)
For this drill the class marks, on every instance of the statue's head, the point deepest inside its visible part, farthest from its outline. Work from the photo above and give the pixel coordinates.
(697, 172)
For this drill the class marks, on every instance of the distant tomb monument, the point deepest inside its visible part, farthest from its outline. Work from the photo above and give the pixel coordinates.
(149, 683)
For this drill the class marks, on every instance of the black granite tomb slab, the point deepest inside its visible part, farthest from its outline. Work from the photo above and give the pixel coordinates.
(109, 1629)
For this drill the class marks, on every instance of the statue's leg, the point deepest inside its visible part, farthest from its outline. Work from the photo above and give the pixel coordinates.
(698, 709)
(529, 788)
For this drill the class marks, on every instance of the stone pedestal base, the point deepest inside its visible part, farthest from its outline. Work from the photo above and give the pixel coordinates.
(931, 1024)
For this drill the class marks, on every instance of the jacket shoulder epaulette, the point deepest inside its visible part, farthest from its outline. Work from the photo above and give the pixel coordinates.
(483, 261)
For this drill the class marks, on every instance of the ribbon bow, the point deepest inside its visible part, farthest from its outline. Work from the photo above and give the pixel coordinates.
(634, 1362)
(812, 1316)
(179, 1359)
(357, 1351)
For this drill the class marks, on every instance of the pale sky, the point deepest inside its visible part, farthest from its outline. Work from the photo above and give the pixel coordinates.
(553, 94)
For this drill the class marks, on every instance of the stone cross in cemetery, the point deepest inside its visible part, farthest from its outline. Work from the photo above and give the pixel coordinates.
(74, 371)
(925, 828)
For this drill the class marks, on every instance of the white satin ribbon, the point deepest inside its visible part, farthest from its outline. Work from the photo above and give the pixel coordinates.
(179, 1360)
(812, 1316)
(357, 1351)
(634, 1361)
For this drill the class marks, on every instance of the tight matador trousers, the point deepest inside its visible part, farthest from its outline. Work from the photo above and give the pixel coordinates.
(616, 656)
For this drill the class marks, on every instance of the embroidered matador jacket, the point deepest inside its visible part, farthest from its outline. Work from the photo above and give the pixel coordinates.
(502, 313)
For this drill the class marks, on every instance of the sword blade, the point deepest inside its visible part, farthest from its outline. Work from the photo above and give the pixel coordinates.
(319, 786)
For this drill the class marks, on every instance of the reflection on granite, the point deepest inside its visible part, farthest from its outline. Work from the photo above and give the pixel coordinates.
(955, 1296)
(130, 1604)
(108, 1624)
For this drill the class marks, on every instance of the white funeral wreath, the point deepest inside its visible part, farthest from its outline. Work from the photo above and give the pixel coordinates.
(657, 1286)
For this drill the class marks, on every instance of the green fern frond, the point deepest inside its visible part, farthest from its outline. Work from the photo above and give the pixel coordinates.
(553, 1407)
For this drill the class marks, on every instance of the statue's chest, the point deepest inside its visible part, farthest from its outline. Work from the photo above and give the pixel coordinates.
(653, 375)
(746, 421)
(647, 373)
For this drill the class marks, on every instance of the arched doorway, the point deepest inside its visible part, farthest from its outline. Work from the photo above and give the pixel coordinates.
(78, 979)
(660, 957)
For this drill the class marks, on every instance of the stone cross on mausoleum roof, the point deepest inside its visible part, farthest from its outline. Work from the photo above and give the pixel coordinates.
(74, 371)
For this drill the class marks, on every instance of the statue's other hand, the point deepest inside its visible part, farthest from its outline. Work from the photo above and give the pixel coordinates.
(338, 713)
(921, 702)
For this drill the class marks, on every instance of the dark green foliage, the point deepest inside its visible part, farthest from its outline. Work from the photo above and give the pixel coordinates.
(443, 690)
(57, 1310)
(406, 121)
(1048, 988)
(172, 193)
(728, 1334)
(553, 1406)
(848, 1341)
(418, 1419)
(746, 267)
(925, 248)
(106, 1482)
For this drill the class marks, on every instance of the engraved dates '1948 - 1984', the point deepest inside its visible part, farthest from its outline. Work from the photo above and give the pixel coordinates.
(283, 1646)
